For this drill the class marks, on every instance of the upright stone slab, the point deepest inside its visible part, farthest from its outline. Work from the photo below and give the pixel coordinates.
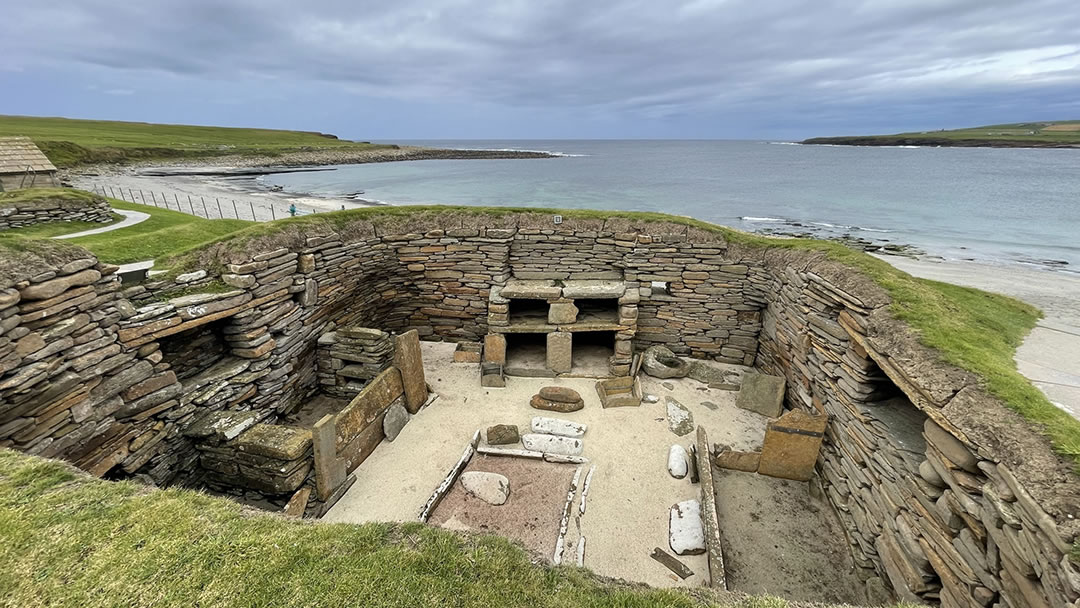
(329, 470)
(495, 349)
(560, 351)
(792, 444)
(762, 393)
(368, 406)
(408, 361)
(560, 313)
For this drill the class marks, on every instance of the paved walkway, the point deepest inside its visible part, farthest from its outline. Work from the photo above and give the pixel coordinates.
(1050, 355)
(130, 219)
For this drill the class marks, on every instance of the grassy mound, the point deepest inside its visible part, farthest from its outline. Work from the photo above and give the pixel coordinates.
(70, 142)
(71, 540)
(165, 233)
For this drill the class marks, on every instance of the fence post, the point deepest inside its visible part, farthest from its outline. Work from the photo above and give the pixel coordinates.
(235, 213)
(273, 215)
(143, 196)
(252, 205)
(220, 214)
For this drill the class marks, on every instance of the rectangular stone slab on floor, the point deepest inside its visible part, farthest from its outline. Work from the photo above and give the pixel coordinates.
(792, 443)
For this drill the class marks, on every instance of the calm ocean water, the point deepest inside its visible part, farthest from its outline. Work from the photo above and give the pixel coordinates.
(999, 205)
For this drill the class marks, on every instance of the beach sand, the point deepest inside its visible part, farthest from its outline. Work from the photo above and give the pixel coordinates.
(1050, 355)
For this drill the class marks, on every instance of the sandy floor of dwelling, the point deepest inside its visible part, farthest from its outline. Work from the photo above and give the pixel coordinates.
(631, 492)
(780, 540)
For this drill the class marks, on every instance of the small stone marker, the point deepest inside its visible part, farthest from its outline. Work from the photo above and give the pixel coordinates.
(676, 461)
(762, 393)
(502, 434)
(685, 530)
(491, 488)
(680, 420)
(650, 398)
(395, 419)
(738, 461)
(553, 444)
(557, 426)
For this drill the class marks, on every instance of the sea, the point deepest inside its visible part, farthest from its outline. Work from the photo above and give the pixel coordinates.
(1007, 206)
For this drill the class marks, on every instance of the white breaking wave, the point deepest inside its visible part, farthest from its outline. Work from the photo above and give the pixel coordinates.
(750, 218)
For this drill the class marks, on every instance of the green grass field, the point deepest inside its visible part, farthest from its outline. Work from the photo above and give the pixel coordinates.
(69, 142)
(165, 233)
(1061, 132)
(70, 540)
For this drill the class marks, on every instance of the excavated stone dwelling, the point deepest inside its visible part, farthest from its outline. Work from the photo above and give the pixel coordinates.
(215, 376)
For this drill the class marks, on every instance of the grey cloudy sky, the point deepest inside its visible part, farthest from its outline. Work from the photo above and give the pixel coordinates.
(546, 68)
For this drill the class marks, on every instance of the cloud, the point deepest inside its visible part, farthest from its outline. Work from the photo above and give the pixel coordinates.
(634, 58)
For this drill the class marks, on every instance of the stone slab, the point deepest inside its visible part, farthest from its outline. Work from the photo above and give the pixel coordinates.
(397, 416)
(762, 393)
(553, 444)
(539, 403)
(408, 361)
(585, 289)
(502, 434)
(791, 446)
(491, 488)
(495, 349)
(368, 405)
(686, 532)
(560, 351)
(557, 426)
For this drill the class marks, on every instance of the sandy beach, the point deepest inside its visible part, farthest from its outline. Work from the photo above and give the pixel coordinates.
(1050, 356)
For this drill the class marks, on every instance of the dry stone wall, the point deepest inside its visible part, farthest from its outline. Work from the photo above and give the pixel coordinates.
(948, 497)
(42, 211)
(932, 500)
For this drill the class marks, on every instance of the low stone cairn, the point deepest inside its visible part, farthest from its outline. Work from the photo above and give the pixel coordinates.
(557, 399)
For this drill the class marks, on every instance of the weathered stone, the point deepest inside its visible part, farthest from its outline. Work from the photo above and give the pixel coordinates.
(951, 447)
(222, 426)
(680, 419)
(149, 385)
(397, 416)
(677, 461)
(686, 533)
(791, 445)
(660, 362)
(554, 444)
(278, 441)
(240, 281)
(57, 286)
(491, 488)
(559, 351)
(467, 352)
(562, 394)
(305, 263)
(408, 360)
(557, 426)
(738, 461)
(542, 290)
(593, 289)
(188, 277)
(367, 406)
(502, 434)
(762, 393)
(538, 402)
(927, 472)
(495, 349)
(561, 313)
(298, 503)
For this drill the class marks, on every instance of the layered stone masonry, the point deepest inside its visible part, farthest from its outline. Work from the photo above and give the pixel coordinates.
(38, 211)
(947, 495)
(351, 357)
(937, 517)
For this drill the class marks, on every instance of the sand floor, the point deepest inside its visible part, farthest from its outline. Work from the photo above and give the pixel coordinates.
(779, 540)
(631, 491)
(1050, 355)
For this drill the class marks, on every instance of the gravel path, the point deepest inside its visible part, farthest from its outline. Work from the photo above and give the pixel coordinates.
(130, 219)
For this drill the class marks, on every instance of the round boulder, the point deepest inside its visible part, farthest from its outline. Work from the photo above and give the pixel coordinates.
(491, 488)
(660, 362)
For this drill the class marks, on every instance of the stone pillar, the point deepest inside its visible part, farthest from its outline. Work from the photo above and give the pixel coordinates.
(408, 361)
(559, 351)
(329, 470)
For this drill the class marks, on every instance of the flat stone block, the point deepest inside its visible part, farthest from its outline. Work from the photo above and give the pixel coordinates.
(561, 313)
(495, 349)
(762, 393)
(530, 290)
(552, 444)
(738, 461)
(791, 446)
(593, 289)
(685, 528)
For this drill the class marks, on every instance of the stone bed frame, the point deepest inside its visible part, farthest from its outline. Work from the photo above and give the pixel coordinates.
(948, 496)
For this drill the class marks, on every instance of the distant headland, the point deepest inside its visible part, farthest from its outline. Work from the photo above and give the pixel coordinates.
(1055, 134)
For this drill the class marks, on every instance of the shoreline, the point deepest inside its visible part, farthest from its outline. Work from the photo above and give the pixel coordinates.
(932, 142)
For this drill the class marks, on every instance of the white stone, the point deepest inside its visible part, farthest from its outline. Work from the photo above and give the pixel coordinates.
(567, 446)
(188, 277)
(558, 426)
(686, 532)
(491, 488)
(676, 461)
(650, 398)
